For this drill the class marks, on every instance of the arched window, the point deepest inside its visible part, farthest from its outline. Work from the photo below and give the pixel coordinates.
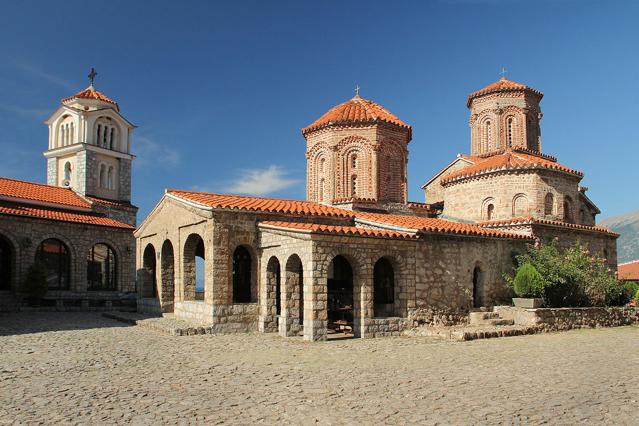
(242, 271)
(105, 133)
(54, 255)
(112, 138)
(110, 177)
(102, 176)
(67, 171)
(383, 288)
(568, 210)
(549, 202)
(488, 136)
(353, 186)
(98, 134)
(6, 264)
(509, 130)
(101, 268)
(489, 211)
(520, 205)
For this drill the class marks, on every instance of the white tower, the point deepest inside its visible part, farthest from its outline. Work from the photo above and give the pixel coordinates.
(90, 146)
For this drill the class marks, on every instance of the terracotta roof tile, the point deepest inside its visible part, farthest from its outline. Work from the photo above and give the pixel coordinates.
(258, 204)
(90, 93)
(629, 271)
(340, 230)
(428, 225)
(41, 193)
(503, 85)
(509, 159)
(355, 110)
(111, 202)
(59, 215)
(517, 221)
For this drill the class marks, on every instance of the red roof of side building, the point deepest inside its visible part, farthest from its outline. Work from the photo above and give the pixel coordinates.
(339, 230)
(41, 193)
(426, 224)
(508, 159)
(91, 93)
(258, 204)
(59, 215)
(629, 271)
(503, 85)
(356, 110)
(518, 221)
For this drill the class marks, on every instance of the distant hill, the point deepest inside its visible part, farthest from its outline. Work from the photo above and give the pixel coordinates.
(628, 243)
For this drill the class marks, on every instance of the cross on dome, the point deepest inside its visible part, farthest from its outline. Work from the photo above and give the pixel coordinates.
(357, 90)
(92, 75)
(502, 73)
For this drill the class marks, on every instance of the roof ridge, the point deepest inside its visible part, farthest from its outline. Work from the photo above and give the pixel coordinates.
(37, 183)
(242, 196)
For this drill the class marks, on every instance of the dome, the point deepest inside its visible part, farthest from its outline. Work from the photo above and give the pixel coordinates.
(91, 93)
(503, 85)
(356, 110)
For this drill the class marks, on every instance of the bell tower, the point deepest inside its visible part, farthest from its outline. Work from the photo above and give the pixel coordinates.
(90, 146)
(504, 115)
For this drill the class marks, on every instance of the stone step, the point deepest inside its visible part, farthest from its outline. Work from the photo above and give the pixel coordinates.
(481, 316)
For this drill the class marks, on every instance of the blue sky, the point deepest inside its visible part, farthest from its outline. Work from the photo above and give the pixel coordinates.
(220, 90)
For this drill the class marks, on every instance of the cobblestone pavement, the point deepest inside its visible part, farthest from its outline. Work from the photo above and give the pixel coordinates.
(81, 368)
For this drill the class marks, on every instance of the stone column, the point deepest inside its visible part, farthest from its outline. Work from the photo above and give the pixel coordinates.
(267, 321)
(315, 302)
(289, 316)
(362, 300)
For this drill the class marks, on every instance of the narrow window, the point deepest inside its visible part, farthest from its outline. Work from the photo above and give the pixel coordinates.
(568, 210)
(489, 137)
(102, 176)
(104, 137)
(489, 211)
(110, 184)
(353, 185)
(321, 190)
(321, 165)
(67, 171)
(98, 135)
(510, 131)
(549, 201)
(111, 138)
(354, 161)
(71, 137)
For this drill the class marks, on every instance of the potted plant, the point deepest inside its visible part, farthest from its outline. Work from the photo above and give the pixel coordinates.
(35, 283)
(528, 286)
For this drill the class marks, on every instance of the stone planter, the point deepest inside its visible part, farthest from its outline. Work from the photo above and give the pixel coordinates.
(521, 302)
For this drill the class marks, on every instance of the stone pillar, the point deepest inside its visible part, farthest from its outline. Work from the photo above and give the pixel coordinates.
(267, 322)
(289, 322)
(315, 303)
(362, 300)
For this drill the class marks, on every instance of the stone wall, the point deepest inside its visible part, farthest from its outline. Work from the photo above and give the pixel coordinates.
(599, 243)
(222, 319)
(557, 319)
(26, 234)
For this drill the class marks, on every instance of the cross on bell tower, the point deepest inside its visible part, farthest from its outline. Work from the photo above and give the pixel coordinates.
(92, 75)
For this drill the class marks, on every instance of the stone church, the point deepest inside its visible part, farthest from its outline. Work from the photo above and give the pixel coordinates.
(356, 255)
(80, 224)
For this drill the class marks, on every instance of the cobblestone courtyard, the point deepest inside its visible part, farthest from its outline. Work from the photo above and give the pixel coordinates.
(85, 369)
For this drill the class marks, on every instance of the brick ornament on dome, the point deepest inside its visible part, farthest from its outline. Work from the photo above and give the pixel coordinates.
(90, 93)
(433, 225)
(503, 85)
(508, 159)
(259, 204)
(356, 110)
(338, 230)
(519, 221)
(39, 192)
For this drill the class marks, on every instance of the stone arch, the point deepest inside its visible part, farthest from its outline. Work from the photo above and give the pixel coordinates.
(55, 255)
(167, 275)
(102, 267)
(193, 247)
(7, 263)
(520, 205)
(479, 286)
(340, 287)
(488, 209)
(384, 288)
(244, 264)
(149, 269)
(292, 316)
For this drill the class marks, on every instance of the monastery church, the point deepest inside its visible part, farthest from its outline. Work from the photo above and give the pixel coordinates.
(355, 256)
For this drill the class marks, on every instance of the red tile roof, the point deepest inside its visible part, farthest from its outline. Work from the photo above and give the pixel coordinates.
(90, 93)
(628, 271)
(428, 225)
(339, 230)
(503, 85)
(508, 159)
(111, 202)
(59, 215)
(356, 110)
(41, 193)
(518, 221)
(258, 204)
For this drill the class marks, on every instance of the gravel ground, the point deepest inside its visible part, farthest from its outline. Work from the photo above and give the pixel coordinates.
(81, 368)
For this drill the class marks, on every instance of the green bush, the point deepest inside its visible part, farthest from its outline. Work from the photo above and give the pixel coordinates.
(528, 282)
(35, 281)
(572, 277)
(631, 289)
(637, 295)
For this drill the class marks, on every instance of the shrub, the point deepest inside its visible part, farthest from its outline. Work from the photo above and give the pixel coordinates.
(637, 296)
(35, 281)
(572, 277)
(528, 282)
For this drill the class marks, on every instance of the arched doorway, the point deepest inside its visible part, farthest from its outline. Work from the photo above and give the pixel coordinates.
(478, 287)
(6, 263)
(340, 295)
(242, 275)
(149, 280)
(55, 257)
(193, 276)
(383, 289)
(167, 274)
